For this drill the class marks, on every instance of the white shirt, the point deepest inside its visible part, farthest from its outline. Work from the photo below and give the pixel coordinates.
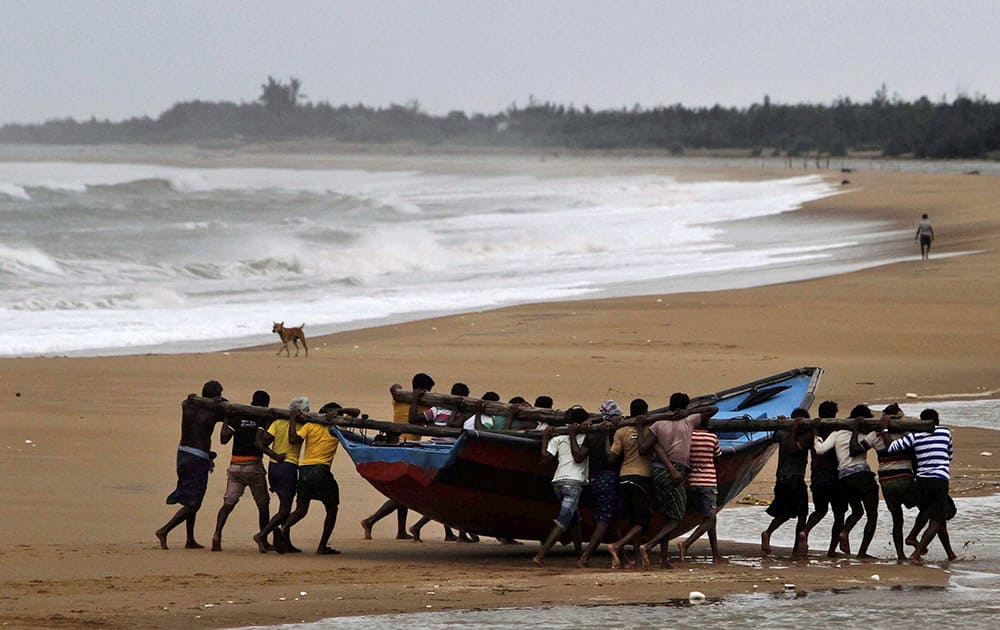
(840, 442)
(470, 423)
(568, 469)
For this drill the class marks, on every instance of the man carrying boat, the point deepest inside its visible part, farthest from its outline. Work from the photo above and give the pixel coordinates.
(316, 480)
(246, 468)
(670, 440)
(827, 493)
(570, 453)
(603, 477)
(933, 453)
(401, 412)
(634, 482)
(194, 463)
(791, 499)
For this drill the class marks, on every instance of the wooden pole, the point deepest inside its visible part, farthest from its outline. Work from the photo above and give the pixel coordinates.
(718, 425)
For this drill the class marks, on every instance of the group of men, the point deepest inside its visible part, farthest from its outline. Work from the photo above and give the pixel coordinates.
(301, 455)
(913, 471)
(635, 467)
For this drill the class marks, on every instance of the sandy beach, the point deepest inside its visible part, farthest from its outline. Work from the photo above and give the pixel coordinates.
(87, 453)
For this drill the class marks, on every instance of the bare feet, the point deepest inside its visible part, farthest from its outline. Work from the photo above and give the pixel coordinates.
(915, 558)
(644, 556)
(845, 542)
(509, 541)
(450, 538)
(280, 545)
(327, 551)
(416, 533)
(681, 551)
(665, 562)
(867, 557)
(582, 564)
(911, 542)
(765, 543)
(403, 536)
(538, 560)
(191, 544)
(216, 543)
(261, 543)
(718, 560)
(616, 562)
(952, 557)
(804, 544)
(365, 525)
(832, 554)
(162, 537)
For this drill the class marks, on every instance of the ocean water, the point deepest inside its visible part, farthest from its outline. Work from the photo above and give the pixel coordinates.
(120, 258)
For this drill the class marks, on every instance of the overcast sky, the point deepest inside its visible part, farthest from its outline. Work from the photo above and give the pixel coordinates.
(117, 59)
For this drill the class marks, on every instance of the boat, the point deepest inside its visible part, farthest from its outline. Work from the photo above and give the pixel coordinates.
(496, 484)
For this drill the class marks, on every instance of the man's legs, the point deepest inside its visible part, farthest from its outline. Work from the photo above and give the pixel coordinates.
(896, 511)
(387, 508)
(595, 539)
(301, 509)
(274, 525)
(857, 510)
(186, 515)
(870, 503)
(332, 508)
(765, 536)
(220, 522)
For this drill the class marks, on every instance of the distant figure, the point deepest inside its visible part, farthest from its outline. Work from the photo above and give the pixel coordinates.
(925, 234)
(194, 462)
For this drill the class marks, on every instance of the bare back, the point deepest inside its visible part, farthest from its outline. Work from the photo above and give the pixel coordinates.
(197, 424)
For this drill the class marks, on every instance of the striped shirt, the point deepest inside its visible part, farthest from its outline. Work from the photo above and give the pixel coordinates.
(933, 452)
(704, 450)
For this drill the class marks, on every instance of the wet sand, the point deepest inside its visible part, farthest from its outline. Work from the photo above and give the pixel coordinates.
(82, 500)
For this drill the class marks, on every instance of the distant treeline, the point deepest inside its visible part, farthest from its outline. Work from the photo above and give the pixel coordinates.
(963, 128)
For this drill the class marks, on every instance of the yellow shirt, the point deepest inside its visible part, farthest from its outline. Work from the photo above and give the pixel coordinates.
(279, 429)
(401, 413)
(319, 447)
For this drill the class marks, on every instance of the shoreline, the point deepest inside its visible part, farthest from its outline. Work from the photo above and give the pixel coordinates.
(104, 429)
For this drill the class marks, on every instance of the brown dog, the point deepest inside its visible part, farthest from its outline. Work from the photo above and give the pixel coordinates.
(295, 335)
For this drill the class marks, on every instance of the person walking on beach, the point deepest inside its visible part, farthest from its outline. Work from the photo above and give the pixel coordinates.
(316, 481)
(635, 485)
(194, 463)
(246, 468)
(670, 441)
(827, 493)
(704, 491)
(401, 412)
(603, 471)
(925, 234)
(569, 451)
(282, 476)
(857, 480)
(933, 453)
(791, 499)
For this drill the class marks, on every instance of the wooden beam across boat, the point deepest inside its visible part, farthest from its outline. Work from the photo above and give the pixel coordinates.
(896, 424)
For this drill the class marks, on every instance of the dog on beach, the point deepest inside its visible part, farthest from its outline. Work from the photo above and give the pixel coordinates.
(295, 335)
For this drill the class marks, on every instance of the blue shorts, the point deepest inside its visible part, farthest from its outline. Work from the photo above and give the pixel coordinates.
(568, 493)
(706, 499)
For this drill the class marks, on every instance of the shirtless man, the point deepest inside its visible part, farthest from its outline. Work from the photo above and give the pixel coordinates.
(791, 499)
(194, 462)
